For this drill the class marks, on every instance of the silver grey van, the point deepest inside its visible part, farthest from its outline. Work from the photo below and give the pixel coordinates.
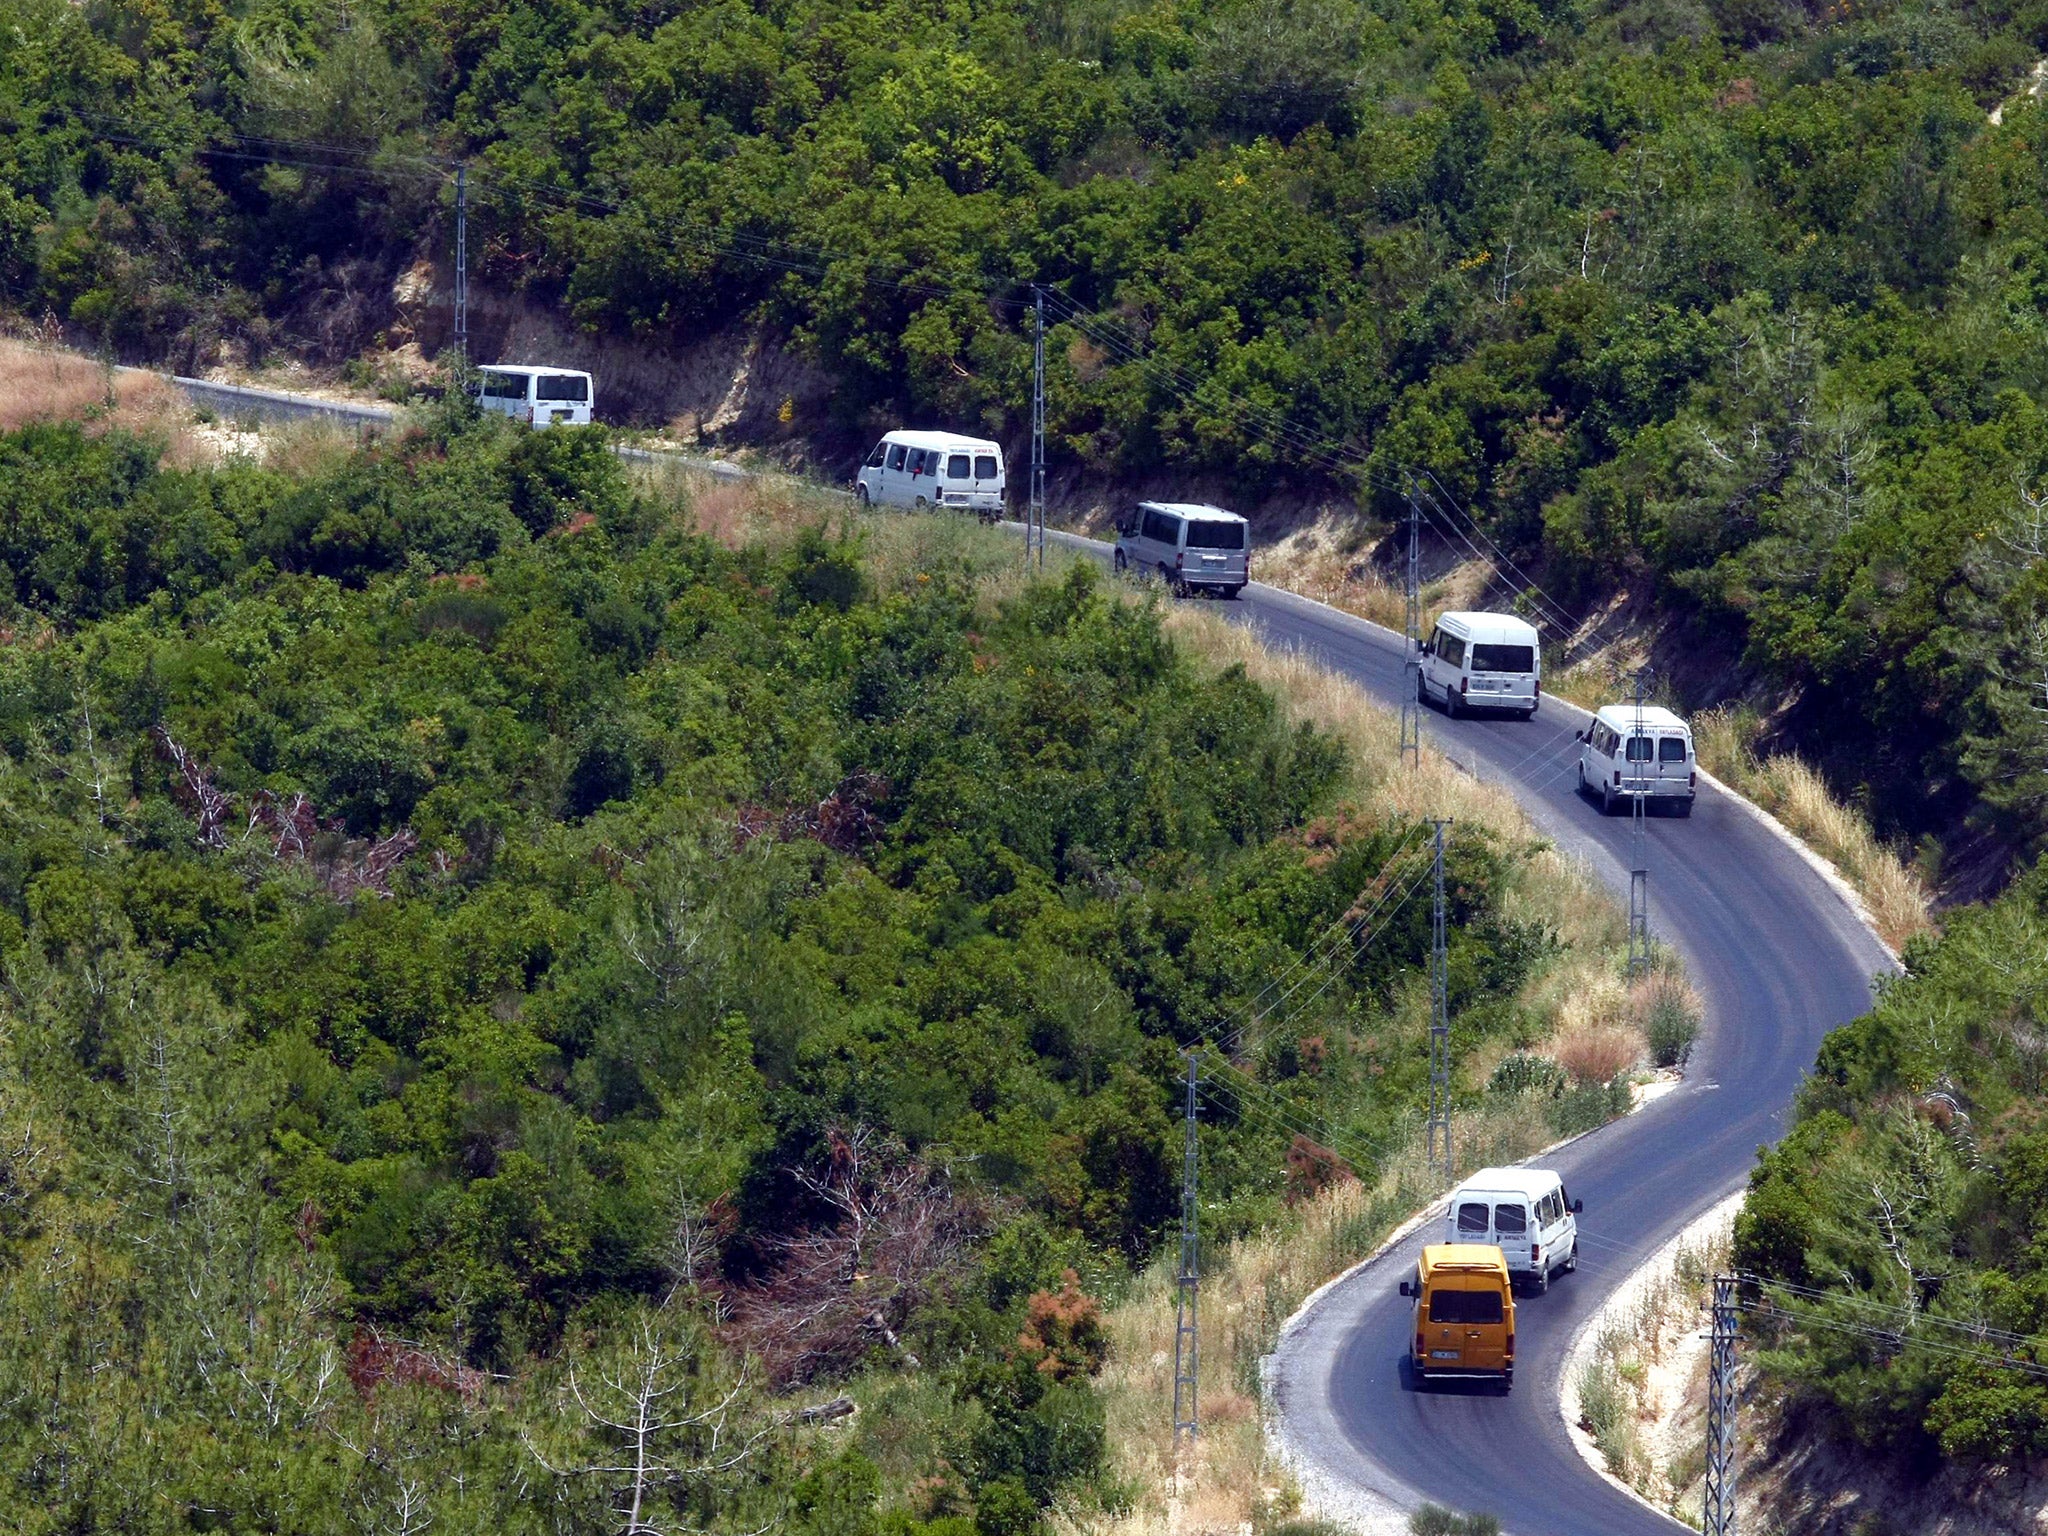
(1190, 546)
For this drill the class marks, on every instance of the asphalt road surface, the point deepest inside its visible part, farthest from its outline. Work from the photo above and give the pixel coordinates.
(1779, 959)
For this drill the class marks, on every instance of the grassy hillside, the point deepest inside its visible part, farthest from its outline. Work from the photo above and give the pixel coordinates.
(489, 947)
(1739, 304)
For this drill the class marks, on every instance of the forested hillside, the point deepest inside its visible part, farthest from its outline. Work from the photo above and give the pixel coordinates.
(1741, 304)
(482, 960)
(1903, 1224)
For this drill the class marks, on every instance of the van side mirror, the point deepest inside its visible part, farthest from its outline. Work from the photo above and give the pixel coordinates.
(1578, 1207)
(1407, 1288)
(1579, 735)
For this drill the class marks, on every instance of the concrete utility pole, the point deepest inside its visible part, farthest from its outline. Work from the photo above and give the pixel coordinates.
(1437, 1138)
(1639, 843)
(1187, 1286)
(1718, 1517)
(461, 272)
(1411, 667)
(1034, 521)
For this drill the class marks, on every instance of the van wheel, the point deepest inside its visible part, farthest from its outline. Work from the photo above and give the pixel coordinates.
(1571, 1265)
(1685, 807)
(1454, 705)
(1606, 800)
(1118, 563)
(1529, 714)
(921, 503)
(1540, 1282)
(860, 495)
(1231, 594)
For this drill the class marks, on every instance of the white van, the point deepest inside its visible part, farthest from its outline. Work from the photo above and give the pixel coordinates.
(1638, 750)
(540, 397)
(1526, 1213)
(933, 469)
(1482, 661)
(1191, 546)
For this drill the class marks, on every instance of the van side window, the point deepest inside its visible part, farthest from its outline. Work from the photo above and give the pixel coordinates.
(896, 456)
(1450, 649)
(956, 467)
(1639, 749)
(1608, 741)
(881, 452)
(1671, 749)
(984, 466)
(1471, 1218)
(1510, 1220)
(1465, 1307)
(1163, 528)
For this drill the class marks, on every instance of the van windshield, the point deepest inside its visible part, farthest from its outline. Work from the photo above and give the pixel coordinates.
(1203, 535)
(1472, 1217)
(1503, 658)
(1465, 1307)
(1671, 749)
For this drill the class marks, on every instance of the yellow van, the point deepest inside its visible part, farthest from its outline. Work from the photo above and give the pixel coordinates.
(1464, 1313)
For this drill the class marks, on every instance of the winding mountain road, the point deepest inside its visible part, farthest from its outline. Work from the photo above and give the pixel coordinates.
(1780, 959)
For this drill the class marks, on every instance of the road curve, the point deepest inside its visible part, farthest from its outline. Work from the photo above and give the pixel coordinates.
(1779, 958)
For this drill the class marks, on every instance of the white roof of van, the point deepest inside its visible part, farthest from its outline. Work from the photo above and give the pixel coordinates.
(1655, 717)
(941, 440)
(1196, 511)
(1508, 1181)
(574, 373)
(1490, 628)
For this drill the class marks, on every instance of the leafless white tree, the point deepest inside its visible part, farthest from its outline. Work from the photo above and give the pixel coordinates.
(660, 1424)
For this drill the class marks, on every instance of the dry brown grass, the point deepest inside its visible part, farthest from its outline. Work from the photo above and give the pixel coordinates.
(1898, 902)
(1597, 1053)
(44, 384)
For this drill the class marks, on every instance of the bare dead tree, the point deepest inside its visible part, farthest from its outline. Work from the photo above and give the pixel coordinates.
(896, 1234)
(660, 1424)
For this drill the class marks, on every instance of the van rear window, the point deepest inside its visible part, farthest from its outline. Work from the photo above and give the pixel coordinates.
(1510, 1220)
(984, 466)
(956, 467)
(1639, 749)
(1465, 1307)
(1671, 749)
(1503, 658)
(1471, 1218)
(560, 386)
(1205, 535)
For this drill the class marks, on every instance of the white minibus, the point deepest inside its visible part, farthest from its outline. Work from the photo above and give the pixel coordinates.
(1526, 1214)
(935, 469)
(1193, 547)
(537, 396)
(1482, 661)
(1645, 750)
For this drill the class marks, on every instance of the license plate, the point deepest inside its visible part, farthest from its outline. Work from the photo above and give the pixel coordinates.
(1443, 1354)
